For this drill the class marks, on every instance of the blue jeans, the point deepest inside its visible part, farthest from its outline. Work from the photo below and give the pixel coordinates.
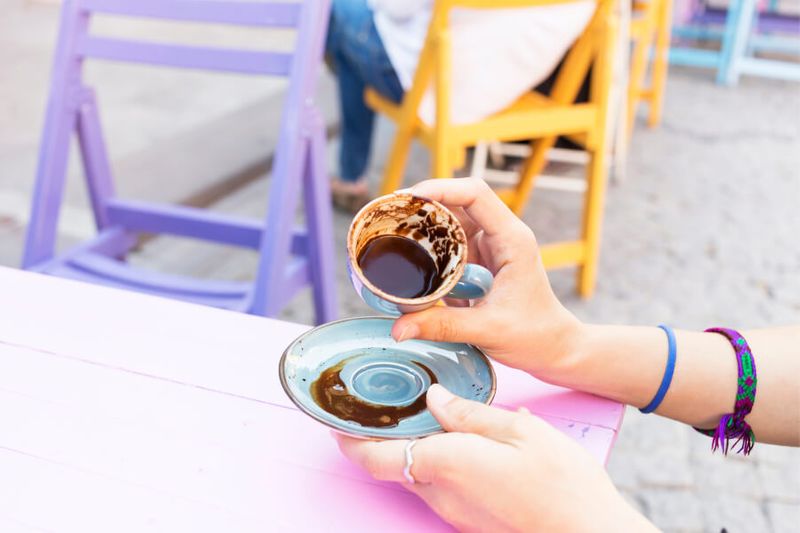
(358, 58)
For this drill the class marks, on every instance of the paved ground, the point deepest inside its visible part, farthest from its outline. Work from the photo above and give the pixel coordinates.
(703, 232)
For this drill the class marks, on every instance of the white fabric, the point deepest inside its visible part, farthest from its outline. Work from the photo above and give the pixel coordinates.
(497, 54)
(402, 26)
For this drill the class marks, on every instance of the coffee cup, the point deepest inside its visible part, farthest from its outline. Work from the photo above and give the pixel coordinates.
(404, 254)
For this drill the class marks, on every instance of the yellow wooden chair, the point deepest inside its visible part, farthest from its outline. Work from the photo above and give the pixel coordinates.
(532, 116)
(651, 22)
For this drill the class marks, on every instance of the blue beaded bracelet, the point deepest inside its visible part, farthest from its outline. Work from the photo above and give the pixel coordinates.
(668, 371)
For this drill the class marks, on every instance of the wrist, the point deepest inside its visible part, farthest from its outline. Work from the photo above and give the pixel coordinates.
(593, 361)
(574, 352)
(613, 362)
(563, 348)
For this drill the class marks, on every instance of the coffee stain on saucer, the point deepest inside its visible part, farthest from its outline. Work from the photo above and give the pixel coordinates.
(331, 394)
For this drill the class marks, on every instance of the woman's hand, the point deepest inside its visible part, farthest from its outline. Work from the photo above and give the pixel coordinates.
(497, 470)
(520, 322)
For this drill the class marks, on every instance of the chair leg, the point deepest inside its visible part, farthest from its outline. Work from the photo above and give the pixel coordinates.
(479, 157)
(592, 221)
(638, 71)
(396, 164)
(319, 223)
(95, 158)
(738, 25)
(48, 190)
(458, 159)
(441, 162)
(270, 288)
(533, 167)
(60, 122)
(597, 170)
(496, 155)
(660, 59)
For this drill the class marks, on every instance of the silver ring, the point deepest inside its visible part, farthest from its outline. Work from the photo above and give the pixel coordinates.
(409, 462)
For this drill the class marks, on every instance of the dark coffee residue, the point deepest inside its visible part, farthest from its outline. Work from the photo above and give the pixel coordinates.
(445, 241)
(399, 266)
(395, 211)
(330, 393)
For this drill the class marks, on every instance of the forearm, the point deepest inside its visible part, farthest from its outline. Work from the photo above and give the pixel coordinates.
(626, 363)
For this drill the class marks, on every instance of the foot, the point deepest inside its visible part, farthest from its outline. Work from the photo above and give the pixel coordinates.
(350, 196)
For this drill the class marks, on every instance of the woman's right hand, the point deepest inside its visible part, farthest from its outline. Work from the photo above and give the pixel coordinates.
(520, 322)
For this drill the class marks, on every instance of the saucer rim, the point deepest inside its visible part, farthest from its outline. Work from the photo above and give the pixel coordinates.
(365, 434)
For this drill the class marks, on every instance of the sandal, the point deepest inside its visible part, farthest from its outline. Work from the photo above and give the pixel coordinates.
(349, 197)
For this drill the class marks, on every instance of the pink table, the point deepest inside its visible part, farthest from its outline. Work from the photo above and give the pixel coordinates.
(120, 411)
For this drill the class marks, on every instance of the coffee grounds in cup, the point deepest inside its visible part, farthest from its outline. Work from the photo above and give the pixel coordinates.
(399, 266)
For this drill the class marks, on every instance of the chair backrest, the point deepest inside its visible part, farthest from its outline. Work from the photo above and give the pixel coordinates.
(68, 91)
(435, 59)
(77, 43)
(280, 15)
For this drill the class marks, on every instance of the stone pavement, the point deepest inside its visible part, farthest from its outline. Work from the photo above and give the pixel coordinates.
(703, 232)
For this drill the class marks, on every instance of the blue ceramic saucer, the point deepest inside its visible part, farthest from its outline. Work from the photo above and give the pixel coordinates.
(374, 370)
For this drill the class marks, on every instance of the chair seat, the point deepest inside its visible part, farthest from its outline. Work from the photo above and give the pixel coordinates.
(532, 115)
(98, 269)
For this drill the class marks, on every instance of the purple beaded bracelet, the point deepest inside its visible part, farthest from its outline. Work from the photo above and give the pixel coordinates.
(733, 425)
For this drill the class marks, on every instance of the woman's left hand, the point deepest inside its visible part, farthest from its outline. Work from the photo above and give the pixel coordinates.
(497, 470)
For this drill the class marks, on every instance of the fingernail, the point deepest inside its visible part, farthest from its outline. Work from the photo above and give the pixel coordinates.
(438, 396)
(414, 191)
(409, 331)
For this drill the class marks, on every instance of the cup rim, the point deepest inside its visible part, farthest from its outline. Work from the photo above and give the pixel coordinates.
(443, 290)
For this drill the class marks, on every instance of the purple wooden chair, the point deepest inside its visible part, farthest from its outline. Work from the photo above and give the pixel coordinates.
(289, 258)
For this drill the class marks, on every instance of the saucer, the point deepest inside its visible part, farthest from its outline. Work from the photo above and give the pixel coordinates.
(360, 357)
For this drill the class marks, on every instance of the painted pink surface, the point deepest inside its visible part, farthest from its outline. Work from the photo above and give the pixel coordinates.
(132, 412)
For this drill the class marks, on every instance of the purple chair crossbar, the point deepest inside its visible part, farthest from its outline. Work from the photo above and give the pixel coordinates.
(290, 258)
(766, 21)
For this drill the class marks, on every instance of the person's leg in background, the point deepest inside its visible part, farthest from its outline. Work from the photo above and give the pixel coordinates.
(358, 59)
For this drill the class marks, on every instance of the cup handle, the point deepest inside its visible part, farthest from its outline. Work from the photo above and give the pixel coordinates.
(476, 282)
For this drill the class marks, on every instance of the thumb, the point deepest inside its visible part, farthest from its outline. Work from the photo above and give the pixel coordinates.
(457, 414)
(441, 324)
